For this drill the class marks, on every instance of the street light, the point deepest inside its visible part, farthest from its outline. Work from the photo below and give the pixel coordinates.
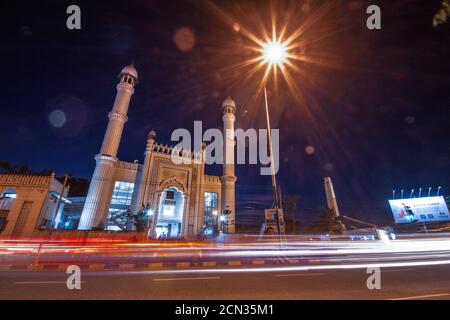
(224, 218)
(274, 54)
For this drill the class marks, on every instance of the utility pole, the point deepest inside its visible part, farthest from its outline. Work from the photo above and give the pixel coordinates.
(272, 164)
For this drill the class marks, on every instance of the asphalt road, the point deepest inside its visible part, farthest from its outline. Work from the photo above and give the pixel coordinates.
(415, 268)
(425, 282)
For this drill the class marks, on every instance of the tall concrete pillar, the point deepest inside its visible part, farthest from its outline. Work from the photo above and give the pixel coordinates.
(95, 211)
(139, 189)
(200, 194)
(331, 198)
(228, 178)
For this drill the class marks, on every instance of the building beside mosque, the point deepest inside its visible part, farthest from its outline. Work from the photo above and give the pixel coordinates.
(29, 203)
(175, 197)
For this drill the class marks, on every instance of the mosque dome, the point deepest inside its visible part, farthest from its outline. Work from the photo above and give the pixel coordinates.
(130, 70)
(152, 135)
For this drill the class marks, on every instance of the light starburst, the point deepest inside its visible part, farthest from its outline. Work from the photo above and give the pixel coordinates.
(274, 53)
(272, 48)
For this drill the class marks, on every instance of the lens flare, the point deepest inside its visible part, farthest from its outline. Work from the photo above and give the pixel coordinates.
(274, 52)
(275, 45)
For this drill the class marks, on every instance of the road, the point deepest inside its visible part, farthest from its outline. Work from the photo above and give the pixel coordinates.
(411, 268)
(430, 282)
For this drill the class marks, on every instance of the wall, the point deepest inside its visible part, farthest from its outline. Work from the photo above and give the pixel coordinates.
(81, 234)
(32, 192)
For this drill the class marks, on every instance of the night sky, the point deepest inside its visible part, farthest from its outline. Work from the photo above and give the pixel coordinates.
(371, 108)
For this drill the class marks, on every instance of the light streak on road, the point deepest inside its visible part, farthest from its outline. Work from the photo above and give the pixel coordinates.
(299, 253)
(289, 268)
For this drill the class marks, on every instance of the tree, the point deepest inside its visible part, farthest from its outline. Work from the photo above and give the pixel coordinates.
(327, 222)
(290, 207)
(443, 14)
(140, 220)
(127, 221)
(210, 224)
(78, 186)
(226, 220)
(121, 219)
(7, 167)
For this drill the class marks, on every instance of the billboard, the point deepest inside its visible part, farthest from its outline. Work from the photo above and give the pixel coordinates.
(428, 209)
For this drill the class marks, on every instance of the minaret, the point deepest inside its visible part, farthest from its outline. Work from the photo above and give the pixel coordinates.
(95, 211)
(228, 178)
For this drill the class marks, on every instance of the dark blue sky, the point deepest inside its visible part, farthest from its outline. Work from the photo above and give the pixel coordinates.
(375, 107)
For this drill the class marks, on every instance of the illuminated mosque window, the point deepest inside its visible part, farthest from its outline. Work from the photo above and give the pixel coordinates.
(120, 201)
(211, 202)
(123, 192)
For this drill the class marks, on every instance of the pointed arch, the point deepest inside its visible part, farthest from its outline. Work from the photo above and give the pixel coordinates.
(172, 182)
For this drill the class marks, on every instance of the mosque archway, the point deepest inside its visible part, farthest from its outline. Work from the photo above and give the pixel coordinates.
(170, 214)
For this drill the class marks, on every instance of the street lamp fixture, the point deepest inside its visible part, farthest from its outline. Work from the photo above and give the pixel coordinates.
(275, 53)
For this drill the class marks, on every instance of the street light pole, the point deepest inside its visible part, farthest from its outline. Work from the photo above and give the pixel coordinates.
(274, 54)
(272, 166)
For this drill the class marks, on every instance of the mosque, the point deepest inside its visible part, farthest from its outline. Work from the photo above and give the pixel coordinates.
(175, 197)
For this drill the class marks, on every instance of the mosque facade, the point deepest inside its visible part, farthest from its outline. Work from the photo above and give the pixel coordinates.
(176, 199)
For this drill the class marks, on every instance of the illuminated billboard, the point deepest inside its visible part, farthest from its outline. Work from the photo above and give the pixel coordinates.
(428, 209)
